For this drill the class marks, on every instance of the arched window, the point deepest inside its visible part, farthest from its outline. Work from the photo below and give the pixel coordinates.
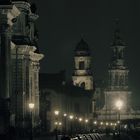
(82, 85)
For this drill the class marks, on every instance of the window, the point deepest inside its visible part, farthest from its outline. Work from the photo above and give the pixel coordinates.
(81, 65)
(82, 85)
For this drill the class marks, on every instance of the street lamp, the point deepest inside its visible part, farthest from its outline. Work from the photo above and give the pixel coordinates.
(107, 123)
(60, 124)
(80, 119)
(65, 115)
(71, 118)
(56, 113)
(86, 122)
(101, 123)
(95, 122)
(80, 124)
(31, 107)
(119, 105)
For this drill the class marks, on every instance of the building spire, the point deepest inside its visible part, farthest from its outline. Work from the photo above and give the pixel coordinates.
(118, 47)
(117, 40)
(117, 30)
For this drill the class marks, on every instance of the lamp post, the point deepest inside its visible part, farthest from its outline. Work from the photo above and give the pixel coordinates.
(71, 118)
(65, 115)
(119, 105)
(86, 122)
(31, 107)
(56, 113)
(80, 123)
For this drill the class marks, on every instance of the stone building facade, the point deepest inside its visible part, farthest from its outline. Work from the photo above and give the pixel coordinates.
(8, 12)
(22, 65)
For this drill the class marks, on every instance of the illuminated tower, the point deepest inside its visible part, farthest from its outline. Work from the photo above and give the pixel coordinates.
(82, 76)
(118, 77)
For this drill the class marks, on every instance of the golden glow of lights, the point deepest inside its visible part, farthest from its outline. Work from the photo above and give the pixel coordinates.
(65, 114)
(80, 119)
(119, 104)
(31, 105)
(56, 112)
(71, 117)
(86, 120)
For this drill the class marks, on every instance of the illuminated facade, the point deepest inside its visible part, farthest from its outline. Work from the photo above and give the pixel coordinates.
(23, 63)
(82, 76)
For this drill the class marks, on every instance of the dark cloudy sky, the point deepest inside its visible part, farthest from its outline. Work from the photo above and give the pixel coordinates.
(62, 22)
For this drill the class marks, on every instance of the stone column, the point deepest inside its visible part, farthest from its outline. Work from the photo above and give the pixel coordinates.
(34, 69)
(21, 65)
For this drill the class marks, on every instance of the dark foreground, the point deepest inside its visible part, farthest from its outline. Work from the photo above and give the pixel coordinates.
(90, 136)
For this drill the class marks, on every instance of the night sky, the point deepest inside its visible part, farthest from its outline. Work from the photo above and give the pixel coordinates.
(63, 22)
